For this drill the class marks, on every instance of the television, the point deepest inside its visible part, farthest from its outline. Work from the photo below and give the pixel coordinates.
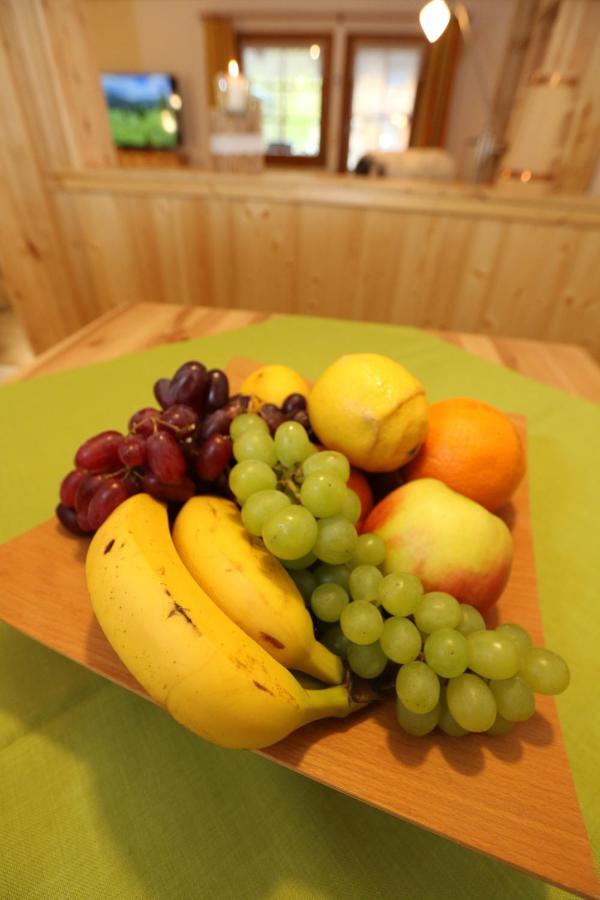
(143, 109)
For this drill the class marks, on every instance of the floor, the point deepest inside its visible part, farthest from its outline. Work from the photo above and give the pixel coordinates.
(15, 351)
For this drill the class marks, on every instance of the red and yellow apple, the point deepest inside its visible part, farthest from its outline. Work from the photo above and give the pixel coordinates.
(447, 540)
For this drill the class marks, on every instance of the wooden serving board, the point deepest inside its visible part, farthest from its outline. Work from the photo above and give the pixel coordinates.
(511, 797)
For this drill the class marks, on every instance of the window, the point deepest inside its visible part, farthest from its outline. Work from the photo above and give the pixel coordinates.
(381, 87)
(289, 76)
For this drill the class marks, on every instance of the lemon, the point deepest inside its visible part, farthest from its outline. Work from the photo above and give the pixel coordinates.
(273, 383)
(371, 409)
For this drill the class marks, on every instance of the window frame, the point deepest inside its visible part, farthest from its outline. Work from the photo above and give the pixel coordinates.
(292, 39)
(376, 40)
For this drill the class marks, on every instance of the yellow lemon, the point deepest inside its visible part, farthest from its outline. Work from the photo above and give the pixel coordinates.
(371, 409)
(273, 383)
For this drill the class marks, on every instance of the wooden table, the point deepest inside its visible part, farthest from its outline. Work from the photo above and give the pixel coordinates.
(137, 326)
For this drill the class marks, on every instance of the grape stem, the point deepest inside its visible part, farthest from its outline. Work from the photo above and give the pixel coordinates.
(289, 480)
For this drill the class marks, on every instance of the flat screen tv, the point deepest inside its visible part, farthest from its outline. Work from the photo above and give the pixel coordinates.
(143, 108)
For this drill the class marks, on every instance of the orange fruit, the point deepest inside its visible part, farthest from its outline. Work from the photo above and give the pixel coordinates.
(360, 485)
(474, 449)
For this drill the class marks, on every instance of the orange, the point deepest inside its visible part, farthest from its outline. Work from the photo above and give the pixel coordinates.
(474, 449)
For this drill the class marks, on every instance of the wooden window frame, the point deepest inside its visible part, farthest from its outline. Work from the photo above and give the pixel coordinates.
(291, 39)
(376, 40)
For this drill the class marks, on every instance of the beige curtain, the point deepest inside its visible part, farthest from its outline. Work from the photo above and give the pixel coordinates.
(219, 42)
(435, 89)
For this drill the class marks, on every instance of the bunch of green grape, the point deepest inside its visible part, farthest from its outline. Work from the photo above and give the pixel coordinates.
(450, 671)
(293, 496)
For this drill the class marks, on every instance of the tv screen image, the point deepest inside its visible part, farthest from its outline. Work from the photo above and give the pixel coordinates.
(143, 109)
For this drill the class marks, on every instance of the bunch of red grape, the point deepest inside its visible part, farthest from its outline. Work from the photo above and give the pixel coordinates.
(173, 451)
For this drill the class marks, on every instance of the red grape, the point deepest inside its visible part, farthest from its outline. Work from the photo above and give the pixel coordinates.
(144, 421)
(216, 422)
(132, 451)
(293, 403)
(165, 457)
(69, 485)
(218, 389)
(67, 516)
(107, 497)
(100, 453)
(272, 415)
(163, 393)
(189, 385)
(173, 492)
(180, 417)
(86, 490)
(213, 456)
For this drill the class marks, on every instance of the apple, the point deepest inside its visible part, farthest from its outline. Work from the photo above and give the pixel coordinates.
(447, 540)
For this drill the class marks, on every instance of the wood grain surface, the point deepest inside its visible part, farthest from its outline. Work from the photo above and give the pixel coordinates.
(510, 797)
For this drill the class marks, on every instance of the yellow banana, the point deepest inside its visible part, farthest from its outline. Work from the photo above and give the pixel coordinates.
(191, 658)
(251, 586)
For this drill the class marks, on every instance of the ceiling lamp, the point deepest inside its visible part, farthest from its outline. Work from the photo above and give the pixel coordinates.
(434, 18)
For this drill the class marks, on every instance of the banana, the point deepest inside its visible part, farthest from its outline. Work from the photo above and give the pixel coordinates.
(250, 585)
(190, 657)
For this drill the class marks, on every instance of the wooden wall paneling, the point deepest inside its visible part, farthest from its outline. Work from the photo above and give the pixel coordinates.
(81, 274)
(82, 110)
(575, 313)
(445, 269)
(196, 250)
(328, 259)
(479, 272)
(264, 241)
(406, 301)
(34, 267)
(144, 245)
(378, 264)
(165, 215)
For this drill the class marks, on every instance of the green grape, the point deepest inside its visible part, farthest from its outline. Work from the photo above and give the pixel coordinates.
(305, 581)
(446, 652)
(290, 533)
(335, 640)
(417, 687)
(417, 724)
(470, 619)
(437, 610)
(519, 636)
(249, 477)
(545, 672)
(244, 422)
(303, 563)
(492, 655)
(291, 443)
(447, 722)
(328, 601)
(351, 507)
(514, 698)
(261, 506)
(471, 702)
(322, 494)
(400, 593)
(367, 660)
(500, 726)
(326, 572)
(361, 622)
(364, 583)
(369, 550)
(335, 541)
(400, 640)
(327, 461)
(255, 444)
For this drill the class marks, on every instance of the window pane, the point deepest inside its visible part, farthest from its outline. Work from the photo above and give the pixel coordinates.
(383, 98)
(288, 81)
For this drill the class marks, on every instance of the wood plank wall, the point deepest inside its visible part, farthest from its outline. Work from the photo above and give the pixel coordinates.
(462, 259)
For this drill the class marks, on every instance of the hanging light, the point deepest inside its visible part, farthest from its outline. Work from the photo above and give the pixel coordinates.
(434, 18)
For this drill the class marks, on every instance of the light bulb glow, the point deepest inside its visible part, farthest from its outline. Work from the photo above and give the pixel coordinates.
(315, 51)
(233, 68)
(434, 18)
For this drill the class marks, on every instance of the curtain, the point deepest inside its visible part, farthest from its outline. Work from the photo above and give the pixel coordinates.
(435, 89)
(219, 43)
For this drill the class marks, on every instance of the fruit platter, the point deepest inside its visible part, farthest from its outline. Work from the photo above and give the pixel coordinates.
(336, 575)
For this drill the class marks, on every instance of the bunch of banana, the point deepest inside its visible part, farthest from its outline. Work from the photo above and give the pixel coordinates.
(184, 650)
(251, 586)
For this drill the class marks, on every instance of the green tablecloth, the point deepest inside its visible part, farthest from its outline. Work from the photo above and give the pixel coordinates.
(102, 795)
